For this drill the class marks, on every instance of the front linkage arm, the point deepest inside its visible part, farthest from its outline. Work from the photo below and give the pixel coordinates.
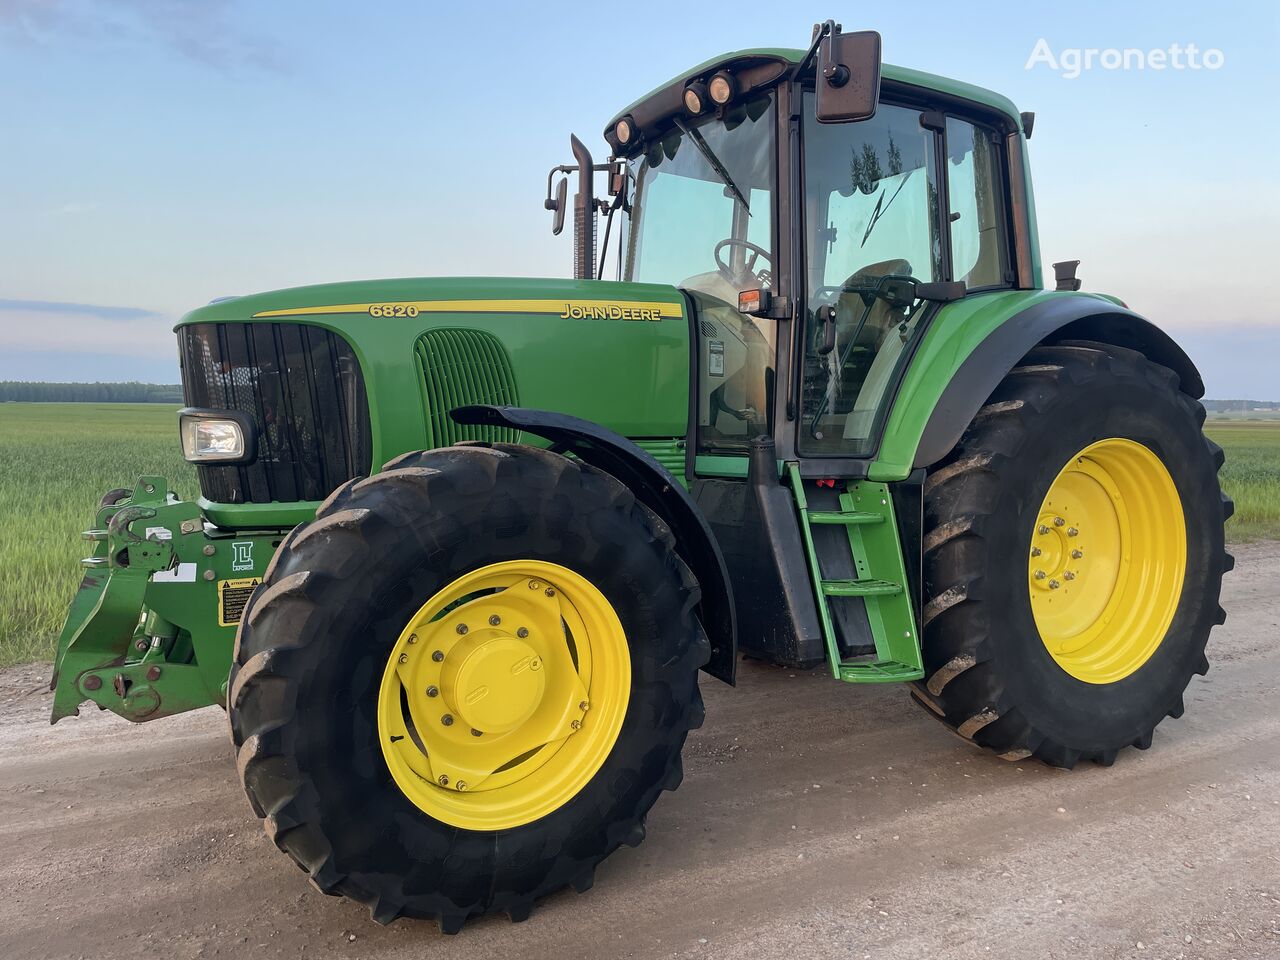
(150, 631)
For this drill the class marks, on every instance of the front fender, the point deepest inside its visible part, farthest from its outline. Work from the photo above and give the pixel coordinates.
(973, 343)
(657, 489)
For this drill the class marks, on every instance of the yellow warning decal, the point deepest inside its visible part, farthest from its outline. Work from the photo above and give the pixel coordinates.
(232, 596)
(564, 309)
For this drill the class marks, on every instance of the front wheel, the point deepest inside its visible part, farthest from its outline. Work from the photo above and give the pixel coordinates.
(1073, 558)
(466, 682)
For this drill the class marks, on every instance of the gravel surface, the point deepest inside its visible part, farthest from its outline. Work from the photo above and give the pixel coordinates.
(816, 820)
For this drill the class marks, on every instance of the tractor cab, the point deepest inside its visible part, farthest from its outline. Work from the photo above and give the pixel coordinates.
(816, 228)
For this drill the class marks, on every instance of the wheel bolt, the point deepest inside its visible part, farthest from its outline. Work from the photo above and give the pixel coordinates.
(1069, 575)
(1042, 529)
(413, 638)
(584, 706)
(1059, 522)
(476, 733)
(1077, 553)
(522, 632)
(576, 724)
(404, 658)
(1035, 551)
(550, 592)
(1054, 584)
(433, 691)
(461, 628)
(495, 620)
(534, 585)
(460, 785)
(447, 720)
(437, 655)
(1040, 574)
(1072, 532)
(442, 780)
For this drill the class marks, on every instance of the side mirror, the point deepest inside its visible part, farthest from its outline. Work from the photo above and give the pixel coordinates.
(558, 205)
(848, 75)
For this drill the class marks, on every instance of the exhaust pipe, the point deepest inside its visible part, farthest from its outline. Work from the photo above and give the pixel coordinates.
(584, 215)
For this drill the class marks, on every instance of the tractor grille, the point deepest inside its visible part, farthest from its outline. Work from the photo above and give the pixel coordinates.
(461, 367)
(303, 388)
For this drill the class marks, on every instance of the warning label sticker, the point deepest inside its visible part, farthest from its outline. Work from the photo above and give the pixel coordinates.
(232, 596)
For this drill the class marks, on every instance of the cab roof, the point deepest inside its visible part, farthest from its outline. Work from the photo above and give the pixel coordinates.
(789, 56)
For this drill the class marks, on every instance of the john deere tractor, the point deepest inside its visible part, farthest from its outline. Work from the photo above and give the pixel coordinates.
(464, 545)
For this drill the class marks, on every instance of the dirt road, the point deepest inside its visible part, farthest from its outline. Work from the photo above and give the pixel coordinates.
(815, 820)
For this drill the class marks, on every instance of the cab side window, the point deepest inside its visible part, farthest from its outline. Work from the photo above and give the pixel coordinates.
(977, 234)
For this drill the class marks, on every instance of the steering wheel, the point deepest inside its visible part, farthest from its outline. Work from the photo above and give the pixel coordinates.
(749, 268)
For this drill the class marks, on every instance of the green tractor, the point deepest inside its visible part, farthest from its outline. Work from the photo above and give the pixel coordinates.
(825, 413)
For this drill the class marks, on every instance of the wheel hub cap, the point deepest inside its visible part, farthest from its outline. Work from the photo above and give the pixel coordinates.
(504, 694)
(1107, 560)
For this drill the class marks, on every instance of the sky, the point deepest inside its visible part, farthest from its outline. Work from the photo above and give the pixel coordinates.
(156, 154)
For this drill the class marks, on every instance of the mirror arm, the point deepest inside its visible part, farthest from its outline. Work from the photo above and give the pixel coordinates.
(820, 32)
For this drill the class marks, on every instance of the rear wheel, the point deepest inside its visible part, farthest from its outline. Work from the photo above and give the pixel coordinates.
(1073, 558)
(466, 682)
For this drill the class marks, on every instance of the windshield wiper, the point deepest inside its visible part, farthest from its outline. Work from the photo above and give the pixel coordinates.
(716, 165)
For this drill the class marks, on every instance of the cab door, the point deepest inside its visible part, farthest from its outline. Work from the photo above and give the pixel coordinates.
(911, 194)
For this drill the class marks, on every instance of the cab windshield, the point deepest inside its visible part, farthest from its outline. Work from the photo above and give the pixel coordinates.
(702, 210)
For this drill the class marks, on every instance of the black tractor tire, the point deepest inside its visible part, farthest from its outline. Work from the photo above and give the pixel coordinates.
(317, 634)
(988, 675)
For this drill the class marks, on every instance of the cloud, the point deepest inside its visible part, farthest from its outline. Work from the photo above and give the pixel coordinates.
(111, 337)
(202, 32)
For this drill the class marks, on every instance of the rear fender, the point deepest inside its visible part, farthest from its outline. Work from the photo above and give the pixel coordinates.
(657, 489)
(973, 343)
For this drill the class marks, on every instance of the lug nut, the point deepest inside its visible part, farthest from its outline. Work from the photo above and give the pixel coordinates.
(534, 585)
(437, 655)
(522, 632)
(1059, 522)
(404, 658)
(413, 638)
(1077, 553)
(494, 620)
(1069, 575)
(1054, 584)
(447, 720)
(1035, 551)
(1072, 532)
(584, 706)
(1040, 574)
(442, 780)
(576, 724)
(550, 592)
(460, 785)
(1042, 529)
(461, 628)
(476, 733)
(433, 691)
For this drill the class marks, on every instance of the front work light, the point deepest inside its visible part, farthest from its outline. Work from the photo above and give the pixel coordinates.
(215, 436)
(624, 131)
(695, 98)
(722, 87)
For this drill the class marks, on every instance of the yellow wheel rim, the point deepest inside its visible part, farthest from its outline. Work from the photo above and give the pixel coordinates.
(1108, 557)
(504, 695)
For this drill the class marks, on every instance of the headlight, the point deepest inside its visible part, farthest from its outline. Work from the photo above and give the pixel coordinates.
(722, 87)
(215, 436)
(624, 131)
(695, 98)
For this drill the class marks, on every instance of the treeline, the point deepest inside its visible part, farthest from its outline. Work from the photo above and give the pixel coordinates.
(1240, 406)
(21, 391)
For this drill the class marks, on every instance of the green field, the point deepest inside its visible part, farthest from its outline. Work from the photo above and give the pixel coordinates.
(57, 459)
